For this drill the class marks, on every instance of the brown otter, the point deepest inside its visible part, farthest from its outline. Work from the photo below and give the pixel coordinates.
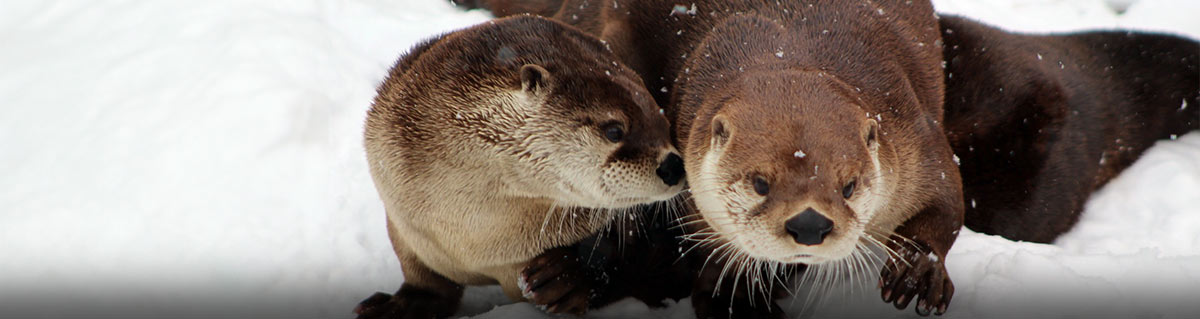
(488, 145)
(1041, 121)
(811, 132)
(810, 141)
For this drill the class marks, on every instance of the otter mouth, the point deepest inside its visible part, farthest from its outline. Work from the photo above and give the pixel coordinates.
(805, 259)
(642, 200)
(631, 200)
(627, 202)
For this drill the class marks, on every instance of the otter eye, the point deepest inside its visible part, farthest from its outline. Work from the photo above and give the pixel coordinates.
(760, 186)
(848, 190)
(613, 132)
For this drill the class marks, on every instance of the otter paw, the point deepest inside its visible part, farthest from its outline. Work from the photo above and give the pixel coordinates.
(558, 281)
(372, 304)
(920, 276)
(409, 302)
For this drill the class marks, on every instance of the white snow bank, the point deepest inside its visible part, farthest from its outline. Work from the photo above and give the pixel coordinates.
(203, 158)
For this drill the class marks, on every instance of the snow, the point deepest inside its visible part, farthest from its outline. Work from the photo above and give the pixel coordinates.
(203, 159)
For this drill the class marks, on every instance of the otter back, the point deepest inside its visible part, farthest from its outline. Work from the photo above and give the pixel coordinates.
(1042, 121)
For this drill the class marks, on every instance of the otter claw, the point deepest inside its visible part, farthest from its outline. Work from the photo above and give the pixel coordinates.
(919, 279)
(557, 282)
(372, 302)
(922, 308)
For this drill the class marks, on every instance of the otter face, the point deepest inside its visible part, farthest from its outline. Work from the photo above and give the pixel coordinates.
(787, 168)
(596, 140)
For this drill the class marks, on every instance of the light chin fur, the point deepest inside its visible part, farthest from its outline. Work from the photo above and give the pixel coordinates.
(618, 201)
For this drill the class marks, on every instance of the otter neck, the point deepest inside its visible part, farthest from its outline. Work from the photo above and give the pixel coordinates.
(537, 223)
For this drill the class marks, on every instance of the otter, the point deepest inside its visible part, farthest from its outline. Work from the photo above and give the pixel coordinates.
(810, 141)
(499, 142)
(1040, 122)
(811, 132)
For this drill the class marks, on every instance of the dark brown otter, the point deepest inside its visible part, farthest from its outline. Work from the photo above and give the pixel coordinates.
(807, 128)
(1040, 122)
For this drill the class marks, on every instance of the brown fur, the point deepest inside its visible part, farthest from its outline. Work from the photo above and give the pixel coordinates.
(1042, 121)
(786, 76)
(487, 146)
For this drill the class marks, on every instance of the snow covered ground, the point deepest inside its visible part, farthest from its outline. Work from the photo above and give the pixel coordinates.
(203, 159)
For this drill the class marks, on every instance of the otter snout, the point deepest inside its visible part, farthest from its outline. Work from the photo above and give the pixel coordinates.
(671, 169)
(809, 227)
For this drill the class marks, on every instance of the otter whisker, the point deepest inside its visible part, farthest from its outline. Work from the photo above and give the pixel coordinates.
(570, 211)
(546, 220)
(728, 264)
(685, 224)
(765, 281)
(892, 253)
(714, 252)
(859, 269)
(740, 265)
(713, 238)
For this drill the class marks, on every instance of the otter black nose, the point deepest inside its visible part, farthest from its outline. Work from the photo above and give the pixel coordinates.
(809, 227)
(671, 169)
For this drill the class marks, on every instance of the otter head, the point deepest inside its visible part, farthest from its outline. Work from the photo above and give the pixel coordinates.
(786, 166)
(592, 136)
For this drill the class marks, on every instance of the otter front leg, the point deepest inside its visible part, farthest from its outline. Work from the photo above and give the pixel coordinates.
(920, 273)
(560, 281)
(424, 294)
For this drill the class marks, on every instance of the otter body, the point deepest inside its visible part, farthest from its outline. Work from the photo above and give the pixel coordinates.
(493, 144)
(1042, 121)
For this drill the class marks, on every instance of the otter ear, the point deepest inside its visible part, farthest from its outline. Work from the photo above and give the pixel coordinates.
(534, 78)
(872, 134)
(720, 131)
